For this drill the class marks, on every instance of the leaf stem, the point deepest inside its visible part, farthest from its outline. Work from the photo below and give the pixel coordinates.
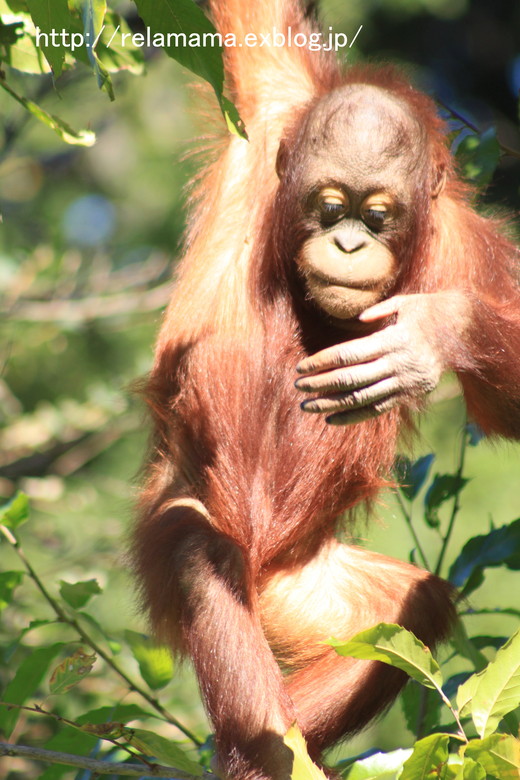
(409, 522)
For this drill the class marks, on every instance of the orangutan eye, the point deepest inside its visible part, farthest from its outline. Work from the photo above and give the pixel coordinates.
(378, 209)
(332, 203)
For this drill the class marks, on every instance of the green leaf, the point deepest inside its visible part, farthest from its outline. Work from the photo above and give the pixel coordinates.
(36, 624)
(453, 683)
(498, 689)
(234, 123)
(478, 157)
(474, 434)
(500, 547)
(51, 16)
(379, 766)
(303, 767)
(14, 6)
(26, 682)
(420, 706)
(61, 128)
(94, 12)
(187, 36)
(499, 754)
(443, 487)
(467, 691)
(15, 512)
(472, 770)
(164, 750)
(397, 647)
(116, 52)
(22, 53)
(412, 475)
(9, 580)
(429, 757)
(78, 594)
(155, 663)
(120, 712)
(108, 730)
(71, 671)
(9, 34)
(173, 23)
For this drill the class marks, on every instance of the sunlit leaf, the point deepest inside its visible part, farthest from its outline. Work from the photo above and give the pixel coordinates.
(472, 770)
(155, 662)
(19, 49)
(498, 689)
(16, 511)
(397, 647)
(499, 754)
(303, 767)
(428, 758)
(379, 766)
(466, 692)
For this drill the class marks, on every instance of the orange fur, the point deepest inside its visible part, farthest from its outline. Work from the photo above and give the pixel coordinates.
(235, 545)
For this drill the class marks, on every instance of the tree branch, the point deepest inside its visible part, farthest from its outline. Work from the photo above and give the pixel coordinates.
(95, 765)
(92, 308)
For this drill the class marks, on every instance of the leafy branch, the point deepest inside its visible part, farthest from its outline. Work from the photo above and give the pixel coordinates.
(488, 697)
(474, 129)
(85, 637)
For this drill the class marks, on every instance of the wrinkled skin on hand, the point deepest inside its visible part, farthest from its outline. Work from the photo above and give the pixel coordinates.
(402, 361)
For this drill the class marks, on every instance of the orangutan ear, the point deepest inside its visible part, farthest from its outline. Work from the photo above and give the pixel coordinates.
(439, 180)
